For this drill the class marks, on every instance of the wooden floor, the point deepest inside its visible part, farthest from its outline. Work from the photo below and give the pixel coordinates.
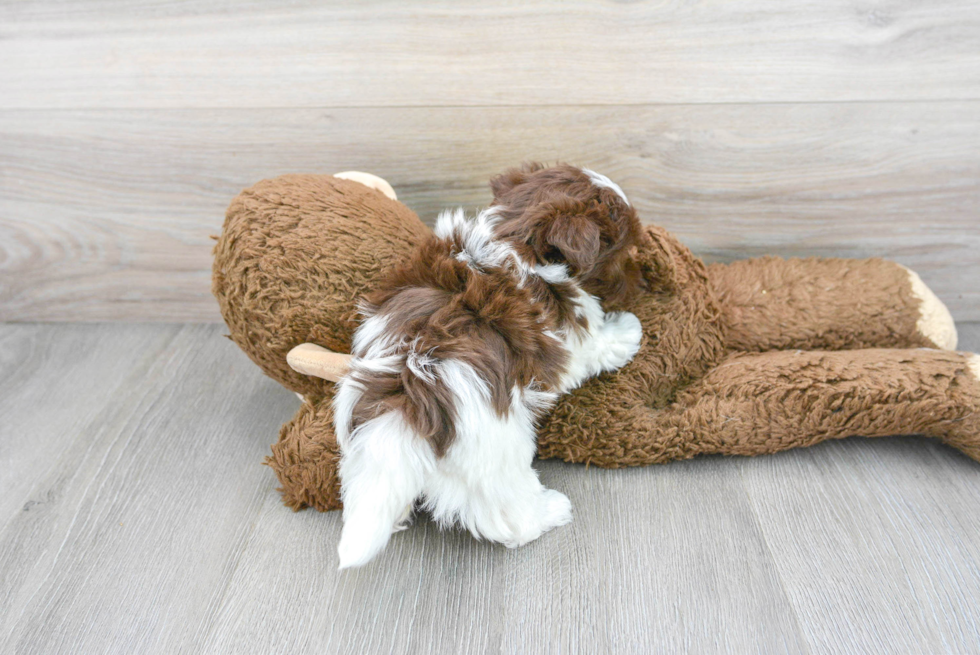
(135, 518)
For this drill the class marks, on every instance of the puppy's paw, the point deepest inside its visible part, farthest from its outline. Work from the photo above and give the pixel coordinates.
(556, 509)
(549, 509)
(622, 334)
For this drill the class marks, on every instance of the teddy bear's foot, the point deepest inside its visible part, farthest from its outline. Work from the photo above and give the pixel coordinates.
(964, 431)
(935, 322)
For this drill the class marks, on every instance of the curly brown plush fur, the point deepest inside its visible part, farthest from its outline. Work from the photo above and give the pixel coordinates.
(743, 359)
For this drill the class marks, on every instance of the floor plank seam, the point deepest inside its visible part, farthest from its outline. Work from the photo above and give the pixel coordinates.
(220, 600)
(772, 560)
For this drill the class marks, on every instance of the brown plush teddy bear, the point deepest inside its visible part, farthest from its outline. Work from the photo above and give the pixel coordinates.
(747, 358)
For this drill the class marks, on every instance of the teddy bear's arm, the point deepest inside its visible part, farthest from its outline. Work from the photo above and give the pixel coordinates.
(757, 403)
(833, 304)
(311, 359)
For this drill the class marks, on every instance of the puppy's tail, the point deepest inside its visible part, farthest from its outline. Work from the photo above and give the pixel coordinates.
(382, 470)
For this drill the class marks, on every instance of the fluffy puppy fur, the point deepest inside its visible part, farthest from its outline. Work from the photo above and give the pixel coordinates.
(465, 345)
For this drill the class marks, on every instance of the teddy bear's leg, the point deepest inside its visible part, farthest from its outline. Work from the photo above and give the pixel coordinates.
(779, 400)
(752, 404)
(833, 304)
(306, 456)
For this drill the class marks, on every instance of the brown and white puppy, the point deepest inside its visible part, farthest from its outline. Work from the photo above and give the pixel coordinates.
(468, 343)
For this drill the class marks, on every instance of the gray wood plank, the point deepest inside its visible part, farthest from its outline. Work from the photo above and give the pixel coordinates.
(877, 542)
(105, 215)
(665, 559)
(451, 53)
(127, 541)
(154, 529)
(48, 395)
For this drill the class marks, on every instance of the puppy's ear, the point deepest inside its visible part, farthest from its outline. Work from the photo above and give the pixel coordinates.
(573, 239)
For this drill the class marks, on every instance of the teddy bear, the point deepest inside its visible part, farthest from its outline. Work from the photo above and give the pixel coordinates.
(747, 358)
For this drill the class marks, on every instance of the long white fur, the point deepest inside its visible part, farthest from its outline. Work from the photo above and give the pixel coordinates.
(485, 482)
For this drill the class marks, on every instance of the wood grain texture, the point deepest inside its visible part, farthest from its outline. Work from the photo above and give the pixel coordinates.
(127, 522)
(152, 529)
(878, 544)
(105, 214)
(386, 53)
(38, 426)
(609, 584)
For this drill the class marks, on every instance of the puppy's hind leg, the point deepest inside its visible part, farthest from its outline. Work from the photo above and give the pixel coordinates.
(486, 482)
(382, 470)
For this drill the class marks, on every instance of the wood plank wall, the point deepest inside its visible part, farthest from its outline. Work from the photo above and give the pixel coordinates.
(831, 128)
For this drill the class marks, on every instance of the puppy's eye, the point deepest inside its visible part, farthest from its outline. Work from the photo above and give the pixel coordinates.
(553, 254)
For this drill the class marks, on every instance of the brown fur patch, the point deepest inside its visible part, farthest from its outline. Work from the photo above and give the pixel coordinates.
(558, 215)
(438, 307)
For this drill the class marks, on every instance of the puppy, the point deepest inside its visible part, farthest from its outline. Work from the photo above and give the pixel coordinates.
(464, 346)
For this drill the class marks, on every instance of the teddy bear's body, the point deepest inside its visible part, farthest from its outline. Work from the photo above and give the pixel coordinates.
(746, 358)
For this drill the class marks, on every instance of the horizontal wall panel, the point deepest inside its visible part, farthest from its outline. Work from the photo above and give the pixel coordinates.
(101, 54)
(106, 214)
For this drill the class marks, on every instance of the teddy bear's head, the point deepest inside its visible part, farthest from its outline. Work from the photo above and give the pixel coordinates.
(295, 255)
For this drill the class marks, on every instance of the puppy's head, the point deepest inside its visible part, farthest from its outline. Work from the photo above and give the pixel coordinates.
(576, 217)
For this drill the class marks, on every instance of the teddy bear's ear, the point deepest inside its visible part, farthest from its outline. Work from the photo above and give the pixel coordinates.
(503, 183)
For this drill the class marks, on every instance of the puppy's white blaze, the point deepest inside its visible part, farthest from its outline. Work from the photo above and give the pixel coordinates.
(382, 470)
(602, 181)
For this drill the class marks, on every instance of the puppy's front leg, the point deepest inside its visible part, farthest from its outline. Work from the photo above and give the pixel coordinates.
(610, 342)
(617, 341)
